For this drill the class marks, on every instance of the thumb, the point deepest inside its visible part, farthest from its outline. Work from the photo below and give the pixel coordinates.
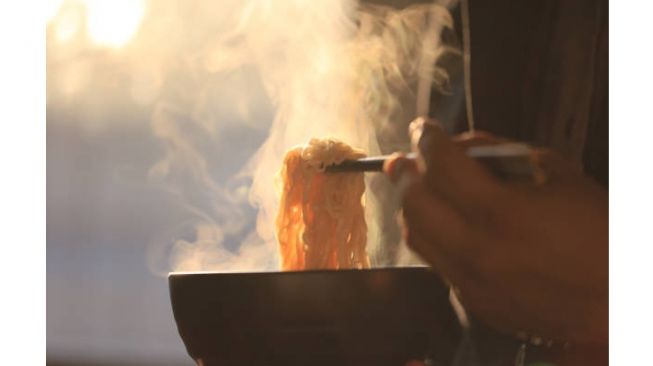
(448, 171)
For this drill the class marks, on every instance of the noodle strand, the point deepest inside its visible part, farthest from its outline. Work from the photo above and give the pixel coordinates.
(321, 218)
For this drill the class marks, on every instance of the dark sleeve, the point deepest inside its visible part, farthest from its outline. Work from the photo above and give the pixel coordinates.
(539, 74)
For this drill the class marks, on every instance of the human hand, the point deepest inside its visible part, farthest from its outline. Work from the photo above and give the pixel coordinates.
(525, 256)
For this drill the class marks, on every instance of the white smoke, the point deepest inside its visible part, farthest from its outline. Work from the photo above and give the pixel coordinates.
(324, 67)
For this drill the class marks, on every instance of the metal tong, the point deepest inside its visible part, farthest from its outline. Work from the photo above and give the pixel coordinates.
(508, 160)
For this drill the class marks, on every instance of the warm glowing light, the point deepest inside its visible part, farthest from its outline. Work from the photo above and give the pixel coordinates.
(68, 23)
(113, 23)
(51, 8)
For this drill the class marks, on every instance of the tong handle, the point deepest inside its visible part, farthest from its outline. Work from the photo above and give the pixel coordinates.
(508, 161)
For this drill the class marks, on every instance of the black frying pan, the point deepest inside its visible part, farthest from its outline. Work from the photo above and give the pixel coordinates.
(351, 317)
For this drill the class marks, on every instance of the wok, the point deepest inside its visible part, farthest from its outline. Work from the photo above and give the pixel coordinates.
(383, 316)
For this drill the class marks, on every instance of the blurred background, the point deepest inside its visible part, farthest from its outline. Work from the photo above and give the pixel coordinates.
(109, 64)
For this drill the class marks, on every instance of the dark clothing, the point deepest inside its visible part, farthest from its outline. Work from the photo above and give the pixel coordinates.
(539, 74)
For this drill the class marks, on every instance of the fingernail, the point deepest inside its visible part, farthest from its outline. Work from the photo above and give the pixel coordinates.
(395, 166)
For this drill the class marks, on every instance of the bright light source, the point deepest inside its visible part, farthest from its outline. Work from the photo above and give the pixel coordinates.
(67, 23)
(51, 8)
(112, 23)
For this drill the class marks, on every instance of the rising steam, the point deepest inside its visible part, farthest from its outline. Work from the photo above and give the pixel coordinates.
(330, 69)
(325, 68)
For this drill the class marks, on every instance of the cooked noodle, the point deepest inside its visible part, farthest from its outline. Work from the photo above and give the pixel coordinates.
(321, 219)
